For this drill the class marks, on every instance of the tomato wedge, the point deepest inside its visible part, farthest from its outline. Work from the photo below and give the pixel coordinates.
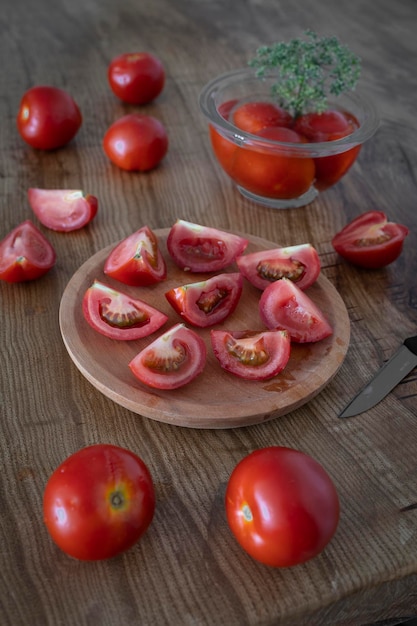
(63, 209)
(301, 264)
(370, 240)
(196, 248)
(252, 355)
(285, 306)
(208, 302)
(25, 254)
(137, 259)
(172, 360)
(119, 316)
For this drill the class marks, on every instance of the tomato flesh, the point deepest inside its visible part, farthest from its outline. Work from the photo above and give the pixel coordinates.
(281, 506)
(25, 254)
(252, 355)
(63, 209)
(137, 259)
(136, 78)
(370, 240)
(99, 502)
(284, 306)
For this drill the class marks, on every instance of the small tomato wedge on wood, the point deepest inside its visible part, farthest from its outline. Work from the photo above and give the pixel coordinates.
(25, 254)
(208, 302)
(196, 248)
(253, 355)
(172, 360)
(370, 240)
(119, 316)
(301, 264)
(137, 259)
(62, 209)
(284, 306)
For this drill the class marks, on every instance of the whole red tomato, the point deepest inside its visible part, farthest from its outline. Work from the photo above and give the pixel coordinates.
(136, 142)
(99, 502)
(136, 78)
(48, 117)
(281, 506)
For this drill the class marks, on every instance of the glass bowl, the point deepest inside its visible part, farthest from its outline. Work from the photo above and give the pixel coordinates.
(275, 173)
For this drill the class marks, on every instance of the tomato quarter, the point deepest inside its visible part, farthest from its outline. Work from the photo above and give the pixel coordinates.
(136, 78)
(25, 254)
(99, 502)
(63, 209)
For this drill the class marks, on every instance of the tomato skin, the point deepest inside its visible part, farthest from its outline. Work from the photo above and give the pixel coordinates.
(136, 78)
(137, 259)
(370, 240)
(207, 302)
(300, 263)
(253, 355)
(136, 142)
(119, 316)
(99, 502)
(284, 306)
(173, 360)
(48, 117)
(281, 506)
(25, 254)
(254, 116)
(63, 209)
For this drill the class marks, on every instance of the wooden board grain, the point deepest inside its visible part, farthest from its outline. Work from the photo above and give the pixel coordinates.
(216, 399)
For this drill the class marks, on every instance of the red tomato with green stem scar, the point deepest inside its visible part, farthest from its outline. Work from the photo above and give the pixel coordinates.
(63, 209)
(119, 316)
(136, 78)
(99, 502)
(370, 240)
(281, 506)
(48, 117)
(25, 254)
(172, 360)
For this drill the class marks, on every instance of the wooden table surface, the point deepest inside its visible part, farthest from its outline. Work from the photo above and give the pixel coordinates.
(188, 569)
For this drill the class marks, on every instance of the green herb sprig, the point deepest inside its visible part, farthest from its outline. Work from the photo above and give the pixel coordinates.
(307, 71)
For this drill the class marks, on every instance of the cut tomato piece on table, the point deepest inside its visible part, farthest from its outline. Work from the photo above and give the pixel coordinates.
(137, 259)
(207, 302)
(370, 240)
(119, 316)
(172, 360)
(63, 209)
(253, 355)
(300, 263)
(284, 306)
(25, 254)
(197, 248)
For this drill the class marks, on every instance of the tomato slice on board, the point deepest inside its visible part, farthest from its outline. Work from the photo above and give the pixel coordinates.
(62, 209)
(370, 240)
(25, 254)
(173, 360)
(119, 316)
(196, 248)
(253, 355)
(207, 302)
(285, 306)
(300, 263)
(137, 259)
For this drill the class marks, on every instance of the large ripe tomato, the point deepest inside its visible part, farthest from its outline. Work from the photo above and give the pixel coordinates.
(136, 142)
(370, 240)
(282, 506)
(25, 254)
(63, 209)
(136, 78)
(254, 116)
(99, 502)
(48, 117)
(173, 360)
(253, 355)
(284, 306)
(207, 302)
(196, 248)
(137, 259)
(119, 316)
(301, 264)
